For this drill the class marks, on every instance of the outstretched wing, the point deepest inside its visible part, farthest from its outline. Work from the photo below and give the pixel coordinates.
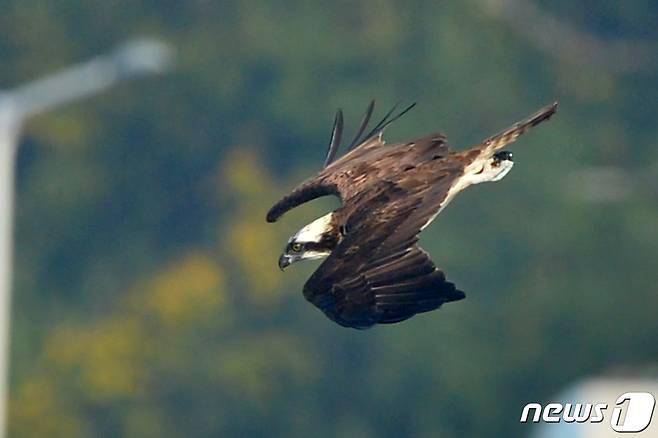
(378, 274)
(498, 141)
(347, 175)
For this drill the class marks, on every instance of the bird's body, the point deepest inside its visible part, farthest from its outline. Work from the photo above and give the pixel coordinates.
(374, 271)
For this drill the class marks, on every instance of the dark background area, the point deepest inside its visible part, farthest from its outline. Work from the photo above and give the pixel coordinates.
(147, 299)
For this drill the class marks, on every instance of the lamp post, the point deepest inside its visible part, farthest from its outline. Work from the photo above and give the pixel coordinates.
(136, 58)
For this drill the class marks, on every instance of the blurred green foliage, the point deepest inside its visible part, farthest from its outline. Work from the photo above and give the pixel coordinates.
(147, 300)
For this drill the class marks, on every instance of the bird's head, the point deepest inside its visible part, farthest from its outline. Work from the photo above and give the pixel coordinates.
(315, 241)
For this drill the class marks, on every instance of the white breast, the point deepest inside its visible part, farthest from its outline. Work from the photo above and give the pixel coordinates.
(476, 173)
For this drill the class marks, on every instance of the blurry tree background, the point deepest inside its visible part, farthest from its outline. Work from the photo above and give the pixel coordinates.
(147, 299)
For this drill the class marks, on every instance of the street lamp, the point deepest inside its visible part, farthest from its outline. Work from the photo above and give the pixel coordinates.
(136, 58)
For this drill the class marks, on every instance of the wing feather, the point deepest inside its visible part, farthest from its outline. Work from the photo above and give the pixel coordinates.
(334, 141)
(346, 175)
(378, 274)
(509, 135)
(364, 125)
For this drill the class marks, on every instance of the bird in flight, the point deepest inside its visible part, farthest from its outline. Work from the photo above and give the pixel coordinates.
(373, 271)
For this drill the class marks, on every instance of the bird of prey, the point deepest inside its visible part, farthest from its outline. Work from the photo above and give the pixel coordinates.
(374, 272)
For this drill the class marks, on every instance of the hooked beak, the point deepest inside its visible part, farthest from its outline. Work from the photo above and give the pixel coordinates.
(284, 261)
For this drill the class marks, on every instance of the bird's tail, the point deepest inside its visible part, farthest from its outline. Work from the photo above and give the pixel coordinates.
(496, 142)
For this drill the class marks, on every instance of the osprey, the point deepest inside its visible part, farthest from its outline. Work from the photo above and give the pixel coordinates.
(374, 272)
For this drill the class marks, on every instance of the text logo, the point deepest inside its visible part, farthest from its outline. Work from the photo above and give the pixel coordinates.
(632, 412)
(638, 412)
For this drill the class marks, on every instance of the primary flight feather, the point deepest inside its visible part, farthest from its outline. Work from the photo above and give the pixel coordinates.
(374, 272)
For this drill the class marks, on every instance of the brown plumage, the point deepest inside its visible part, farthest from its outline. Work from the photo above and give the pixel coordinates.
(376, 273)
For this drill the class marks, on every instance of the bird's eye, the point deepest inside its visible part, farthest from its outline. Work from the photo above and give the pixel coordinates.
(296, 247)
